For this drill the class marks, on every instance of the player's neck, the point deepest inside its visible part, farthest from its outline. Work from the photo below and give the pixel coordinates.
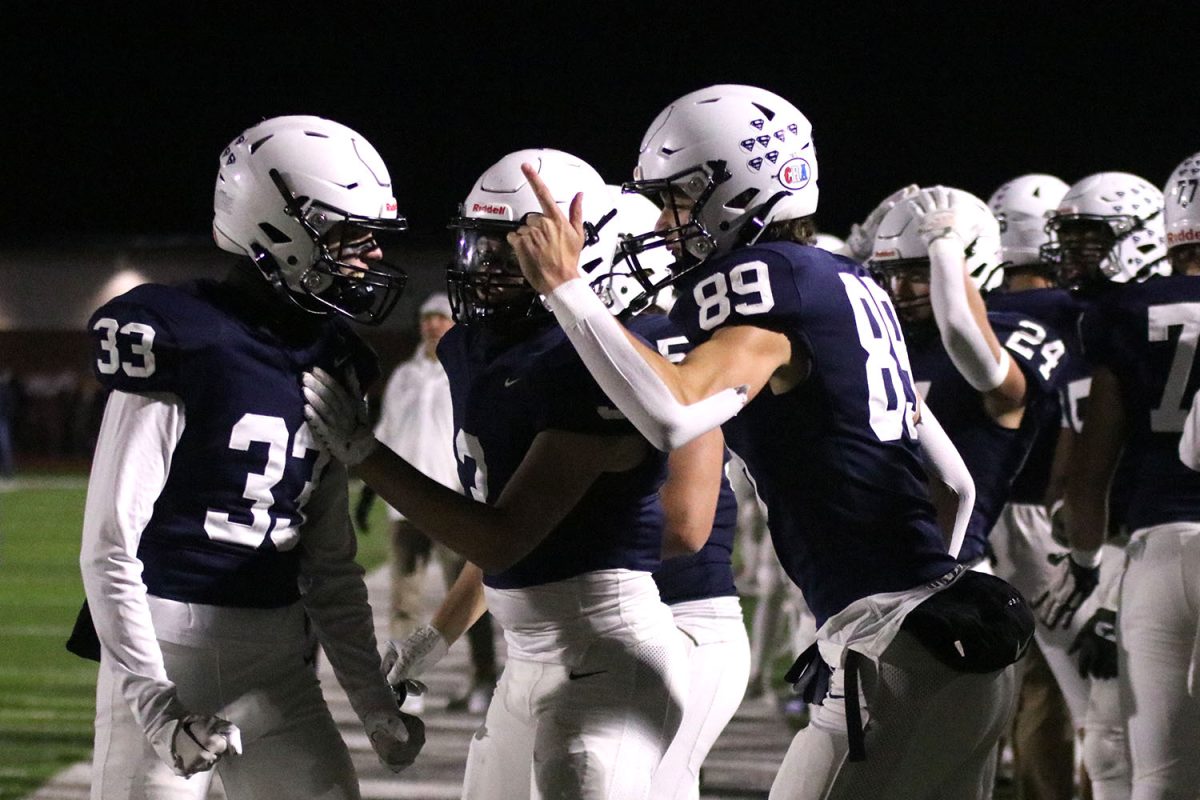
(261, 306)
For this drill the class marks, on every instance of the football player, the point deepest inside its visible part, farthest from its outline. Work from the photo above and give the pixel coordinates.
(807, 348)
(216, 534)
(565, 526)
(697, 587)
(1022, 539)
(1141, 340)
(990, 378)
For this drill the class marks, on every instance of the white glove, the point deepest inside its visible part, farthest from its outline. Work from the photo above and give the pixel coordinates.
(397, 737)
(416, 653)
(861, 241)
(199, 741)
(1078, 576)
(936, 217)
(337, 416)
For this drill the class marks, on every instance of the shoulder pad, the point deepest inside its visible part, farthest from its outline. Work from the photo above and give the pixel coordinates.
(1036, 347)
(138, 338)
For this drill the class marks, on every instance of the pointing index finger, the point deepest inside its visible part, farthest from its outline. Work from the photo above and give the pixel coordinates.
(541, 191)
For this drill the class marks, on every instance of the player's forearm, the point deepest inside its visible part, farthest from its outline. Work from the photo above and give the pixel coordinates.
(961, 319)
(463, 606)
(134, 448)
(482, 534)
(335, 596)
(690, 494)
(951, 470)
(642, 384)
(1094, 461)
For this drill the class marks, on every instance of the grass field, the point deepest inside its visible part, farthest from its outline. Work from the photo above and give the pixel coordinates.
(47, 695)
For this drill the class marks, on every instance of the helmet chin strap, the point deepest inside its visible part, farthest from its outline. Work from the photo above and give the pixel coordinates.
(268, 267)
(750, 225)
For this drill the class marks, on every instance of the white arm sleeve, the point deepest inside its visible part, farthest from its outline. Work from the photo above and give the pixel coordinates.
(133, 456)
(1189, 442)
(335, 597)
(951, 470)
(631, 383)
(967, 346)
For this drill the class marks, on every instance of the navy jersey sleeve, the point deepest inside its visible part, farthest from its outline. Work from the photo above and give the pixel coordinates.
(135, 340)
(755, 287)
(1038, 349)
(572, 401)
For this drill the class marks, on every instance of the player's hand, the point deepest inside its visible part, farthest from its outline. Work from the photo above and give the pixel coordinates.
(397, 737)
(1068, 590)
(1096, 645)
(200, 741)
(861, 241)
(337, 417)
(548, 244)
(936, 217)
(413, 655)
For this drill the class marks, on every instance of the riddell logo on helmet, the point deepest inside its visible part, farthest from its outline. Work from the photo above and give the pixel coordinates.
(1183, 237)
(489, 208)
(795, 173)
(885, 254)
(390, 206)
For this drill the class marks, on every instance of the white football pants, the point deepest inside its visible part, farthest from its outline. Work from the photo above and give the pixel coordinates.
(718, 652)
(252, 667)
(1022, 541)
(1158, 634)
(931, 732)
(591, 694)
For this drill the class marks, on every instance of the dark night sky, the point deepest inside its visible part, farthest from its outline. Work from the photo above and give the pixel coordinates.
(113, 121)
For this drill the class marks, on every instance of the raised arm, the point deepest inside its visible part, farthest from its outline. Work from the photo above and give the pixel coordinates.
(669, 403)
(959, 309)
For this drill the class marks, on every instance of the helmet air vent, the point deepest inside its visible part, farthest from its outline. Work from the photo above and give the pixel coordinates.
(768, 113)
(274, 234)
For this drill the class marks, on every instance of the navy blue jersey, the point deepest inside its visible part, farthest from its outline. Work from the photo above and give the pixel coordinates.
(993, 454)
(1059, 310)
(505, 393)
(709, 572)
(1147, 335)
(835, 458)
(225, 526)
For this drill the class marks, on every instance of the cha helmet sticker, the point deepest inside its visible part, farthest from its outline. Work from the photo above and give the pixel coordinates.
(795, 173)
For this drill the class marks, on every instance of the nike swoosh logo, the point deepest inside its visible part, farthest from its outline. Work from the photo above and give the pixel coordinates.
(510, 381)
(574, 676)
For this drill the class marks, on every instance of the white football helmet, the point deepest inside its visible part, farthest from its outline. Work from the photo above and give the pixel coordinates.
(1021, 206)
(291, 188)
(485, 281)
(860, 244)
(898, 244)
(1182, 207)
(744, 156)
(624, 289)
(1108, 226)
